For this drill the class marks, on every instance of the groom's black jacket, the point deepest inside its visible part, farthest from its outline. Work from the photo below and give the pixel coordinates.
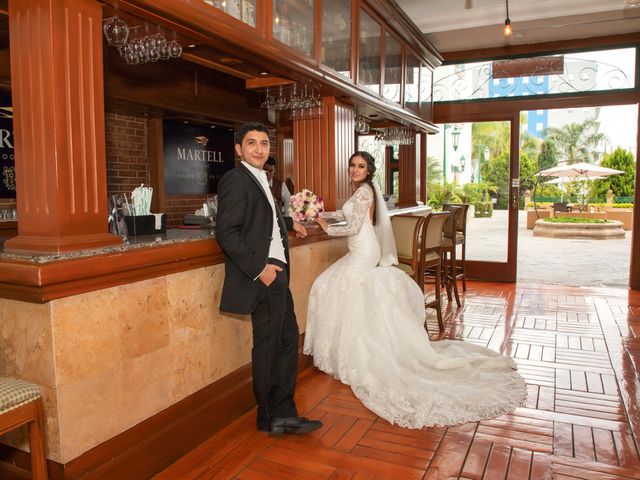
(244, 224)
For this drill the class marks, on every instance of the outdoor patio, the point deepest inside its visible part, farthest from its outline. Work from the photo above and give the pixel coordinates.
(589, 263)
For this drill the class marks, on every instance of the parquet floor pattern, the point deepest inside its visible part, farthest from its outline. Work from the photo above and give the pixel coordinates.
(577, 348)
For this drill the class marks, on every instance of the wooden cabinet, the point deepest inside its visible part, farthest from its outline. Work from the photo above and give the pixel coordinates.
(243, 10)
(336, 36)
(293, 23)
(369, 58)
(365, 49)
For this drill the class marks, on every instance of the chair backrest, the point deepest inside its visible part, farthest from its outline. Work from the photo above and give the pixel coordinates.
(433, 228)
(406, 232)
(560, 207)
(450, 226)
(461, 219)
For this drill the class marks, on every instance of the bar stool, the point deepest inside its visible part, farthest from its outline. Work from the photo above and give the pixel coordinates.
(431, 248)
(21, 404)
(461, 239)
(449, 243)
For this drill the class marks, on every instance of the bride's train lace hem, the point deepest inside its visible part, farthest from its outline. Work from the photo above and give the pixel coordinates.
(448, 407)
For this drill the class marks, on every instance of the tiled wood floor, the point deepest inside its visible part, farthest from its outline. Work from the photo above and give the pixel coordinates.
(579, 352)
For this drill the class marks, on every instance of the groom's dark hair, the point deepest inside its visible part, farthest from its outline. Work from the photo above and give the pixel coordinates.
(249, 127)
(371, 170)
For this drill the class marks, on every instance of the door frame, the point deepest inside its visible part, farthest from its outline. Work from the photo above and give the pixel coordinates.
(510, 109)
(484, 269)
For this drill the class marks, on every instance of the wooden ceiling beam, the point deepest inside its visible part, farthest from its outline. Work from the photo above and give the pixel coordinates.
(221, 67)
(263, 82)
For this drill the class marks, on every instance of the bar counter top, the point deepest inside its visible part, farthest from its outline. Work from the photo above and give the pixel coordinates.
(172, 236)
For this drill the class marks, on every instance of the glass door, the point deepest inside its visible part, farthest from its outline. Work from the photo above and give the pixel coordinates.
(475, 163)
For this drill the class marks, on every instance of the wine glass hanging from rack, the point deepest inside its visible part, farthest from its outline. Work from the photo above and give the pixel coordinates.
(395, 136)
(146, 49)
(361, 125)
(304, 103)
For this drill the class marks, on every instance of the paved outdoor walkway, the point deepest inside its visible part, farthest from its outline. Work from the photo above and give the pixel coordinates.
(590, 263)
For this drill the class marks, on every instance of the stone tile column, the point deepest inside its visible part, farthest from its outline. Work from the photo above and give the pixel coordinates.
(58, 100)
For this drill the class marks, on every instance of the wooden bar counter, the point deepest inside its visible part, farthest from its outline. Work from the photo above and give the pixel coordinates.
(118, 335)
(130, 348)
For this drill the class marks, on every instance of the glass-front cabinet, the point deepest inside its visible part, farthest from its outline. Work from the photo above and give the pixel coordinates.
(243, 10)
(412, 83)
(293, 24)
(392, 68)
(369, 58)
(384, 66)
(426, 98)
(336, 36)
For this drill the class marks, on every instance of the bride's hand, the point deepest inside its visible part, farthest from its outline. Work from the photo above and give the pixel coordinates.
(323, 223)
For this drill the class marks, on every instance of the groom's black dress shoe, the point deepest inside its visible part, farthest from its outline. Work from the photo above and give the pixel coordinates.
(296, 425)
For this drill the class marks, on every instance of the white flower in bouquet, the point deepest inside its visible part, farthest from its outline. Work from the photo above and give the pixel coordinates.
(305, 206)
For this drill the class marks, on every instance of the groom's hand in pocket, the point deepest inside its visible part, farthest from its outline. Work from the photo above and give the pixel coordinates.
(269, 273)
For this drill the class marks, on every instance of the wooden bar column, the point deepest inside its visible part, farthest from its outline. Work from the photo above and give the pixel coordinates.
(58, 99)
(407, 176)
(321, 152)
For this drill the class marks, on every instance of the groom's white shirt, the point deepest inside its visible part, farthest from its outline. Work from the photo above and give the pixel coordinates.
(276, 248)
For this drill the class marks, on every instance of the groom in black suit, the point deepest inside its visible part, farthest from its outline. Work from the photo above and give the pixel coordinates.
(253, 236)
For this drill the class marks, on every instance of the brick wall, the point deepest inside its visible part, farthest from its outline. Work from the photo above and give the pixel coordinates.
(127, 152)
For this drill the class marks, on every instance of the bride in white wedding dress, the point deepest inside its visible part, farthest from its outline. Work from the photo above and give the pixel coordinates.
(365, 326)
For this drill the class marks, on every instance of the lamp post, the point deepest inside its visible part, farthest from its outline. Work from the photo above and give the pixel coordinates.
(485, 158)
(455, 136)
(456, 169)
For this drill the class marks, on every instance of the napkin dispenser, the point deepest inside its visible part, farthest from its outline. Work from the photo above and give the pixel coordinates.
(146, 224)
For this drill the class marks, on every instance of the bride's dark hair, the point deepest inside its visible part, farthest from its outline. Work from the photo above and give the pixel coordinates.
(371, 170)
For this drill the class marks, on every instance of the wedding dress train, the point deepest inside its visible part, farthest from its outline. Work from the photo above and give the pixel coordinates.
(365, 326)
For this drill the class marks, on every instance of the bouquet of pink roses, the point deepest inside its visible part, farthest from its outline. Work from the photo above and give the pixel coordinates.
(305, 206)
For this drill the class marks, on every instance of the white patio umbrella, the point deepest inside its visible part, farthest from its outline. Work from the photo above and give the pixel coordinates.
(579, 171)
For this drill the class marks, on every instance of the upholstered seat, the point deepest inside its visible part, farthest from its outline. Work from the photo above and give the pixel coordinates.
(446, 241)
(20, 404)
(15, 393)
(406, 269)
(406, 232)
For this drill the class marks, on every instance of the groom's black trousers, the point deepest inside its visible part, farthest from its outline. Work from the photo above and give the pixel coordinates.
(275, 349)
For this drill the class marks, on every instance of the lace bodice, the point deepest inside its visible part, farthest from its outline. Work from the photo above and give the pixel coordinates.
(356, 211)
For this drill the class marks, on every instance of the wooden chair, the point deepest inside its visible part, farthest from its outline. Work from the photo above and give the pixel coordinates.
(431, 249)
(407, 230)
(449, 243)
(560, 207)
(20, 404)
(461, 239)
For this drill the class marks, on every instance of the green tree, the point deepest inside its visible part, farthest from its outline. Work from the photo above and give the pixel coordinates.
(496, 172)
(528, 169)
(548, 154)
(494, 135)
(578, 142)
(530, 145)
(434, 169)
(622, 184)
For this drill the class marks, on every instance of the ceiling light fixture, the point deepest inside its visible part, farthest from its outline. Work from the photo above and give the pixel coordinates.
(507, 24)
(632, 3)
